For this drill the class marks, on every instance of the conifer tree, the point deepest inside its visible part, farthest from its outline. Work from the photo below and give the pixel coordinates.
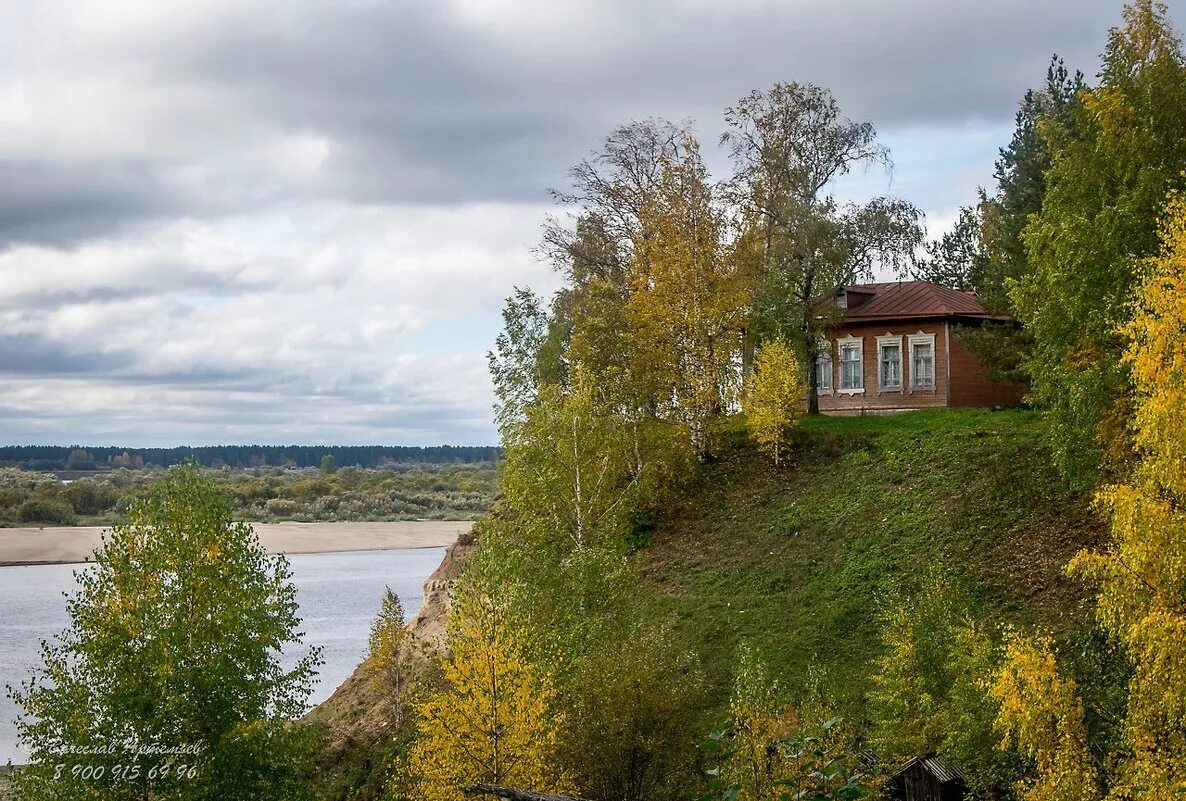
(1110, 172)
(390, 668)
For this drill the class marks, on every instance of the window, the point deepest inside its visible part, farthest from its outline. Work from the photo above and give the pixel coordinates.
(823, 368)
(851, 366)
(922, 361)
(889, 362)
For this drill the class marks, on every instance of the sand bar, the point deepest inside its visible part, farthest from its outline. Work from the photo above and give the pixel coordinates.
(53, 545)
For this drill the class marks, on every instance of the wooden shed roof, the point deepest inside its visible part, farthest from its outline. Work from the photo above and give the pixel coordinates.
(935, 766)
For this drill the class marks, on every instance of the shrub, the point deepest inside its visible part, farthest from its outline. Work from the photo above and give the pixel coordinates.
(45, 510)
(281, 507)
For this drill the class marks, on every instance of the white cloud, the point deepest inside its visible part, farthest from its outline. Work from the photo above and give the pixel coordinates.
(290, 329)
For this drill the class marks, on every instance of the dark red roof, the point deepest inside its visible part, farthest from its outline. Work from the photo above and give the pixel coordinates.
(913, 299)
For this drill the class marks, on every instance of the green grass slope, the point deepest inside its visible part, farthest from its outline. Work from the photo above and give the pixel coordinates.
(800, 559)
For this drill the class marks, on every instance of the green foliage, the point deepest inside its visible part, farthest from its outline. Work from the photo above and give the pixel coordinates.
(929, 689)
(789, 144)
(634, 704)
(1140, 579)
(1110, 172)
(796, 561)
(449, 492)
(173, 640)
(45, 510)
(514, 361)
(771, 750)
(957, 258)
(577, 480)
(569, 474)
(327, 464)
(1021, 184)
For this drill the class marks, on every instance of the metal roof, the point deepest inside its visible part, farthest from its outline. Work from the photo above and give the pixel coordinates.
(914, 299)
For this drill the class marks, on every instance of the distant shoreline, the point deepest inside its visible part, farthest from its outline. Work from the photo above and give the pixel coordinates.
(58, 545)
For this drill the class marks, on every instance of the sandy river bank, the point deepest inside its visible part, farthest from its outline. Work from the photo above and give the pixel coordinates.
(51, 545)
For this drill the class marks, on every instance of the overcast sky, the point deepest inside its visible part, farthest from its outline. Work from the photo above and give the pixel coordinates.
(294, 222)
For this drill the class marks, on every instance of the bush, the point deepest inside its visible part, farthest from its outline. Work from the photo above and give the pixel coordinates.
(281, 507)
(90, 497)
(45, 510)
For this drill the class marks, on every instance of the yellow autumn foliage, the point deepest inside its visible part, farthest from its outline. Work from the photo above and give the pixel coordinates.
(495, 724)
(687, 301)
(1141, 578)
(774, 396)
(1042, 717)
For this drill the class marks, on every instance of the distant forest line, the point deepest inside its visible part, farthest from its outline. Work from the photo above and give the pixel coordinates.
(55, 457)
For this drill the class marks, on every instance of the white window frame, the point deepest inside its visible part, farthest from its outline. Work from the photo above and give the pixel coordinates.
(824, 357)
(882, 341)
(860, 343)
(922, 338)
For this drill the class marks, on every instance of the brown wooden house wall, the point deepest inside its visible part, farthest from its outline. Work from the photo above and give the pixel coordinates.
(968, 386)
(971, 388)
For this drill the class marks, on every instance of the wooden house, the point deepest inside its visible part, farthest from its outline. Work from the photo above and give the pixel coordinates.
(895, 346)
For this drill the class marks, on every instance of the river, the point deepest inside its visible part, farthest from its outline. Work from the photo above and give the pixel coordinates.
(338, 595)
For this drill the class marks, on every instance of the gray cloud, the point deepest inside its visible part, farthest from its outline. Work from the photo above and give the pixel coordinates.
(416, 104)
(294, 221)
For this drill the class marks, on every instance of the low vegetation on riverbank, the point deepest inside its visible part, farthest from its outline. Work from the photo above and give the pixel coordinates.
(427, 492)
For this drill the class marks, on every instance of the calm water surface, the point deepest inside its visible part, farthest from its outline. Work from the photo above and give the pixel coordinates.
(338, 595)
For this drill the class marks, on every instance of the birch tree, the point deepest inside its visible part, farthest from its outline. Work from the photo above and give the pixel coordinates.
(495, 722)
(687, 299)
(789, 146)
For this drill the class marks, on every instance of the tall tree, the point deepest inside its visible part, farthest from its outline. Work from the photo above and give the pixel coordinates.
(168, 685)
(1041, 717)
(687, 299)
(986, 252)
(956, 259)
(1104, 193)
(789, 145)
(515, 367)
(613, 184)
(1141, 578)
(1021, 182)
(567, 473)
(391, 669)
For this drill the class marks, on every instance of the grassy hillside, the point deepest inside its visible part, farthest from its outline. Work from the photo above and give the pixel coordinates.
(800, 559)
